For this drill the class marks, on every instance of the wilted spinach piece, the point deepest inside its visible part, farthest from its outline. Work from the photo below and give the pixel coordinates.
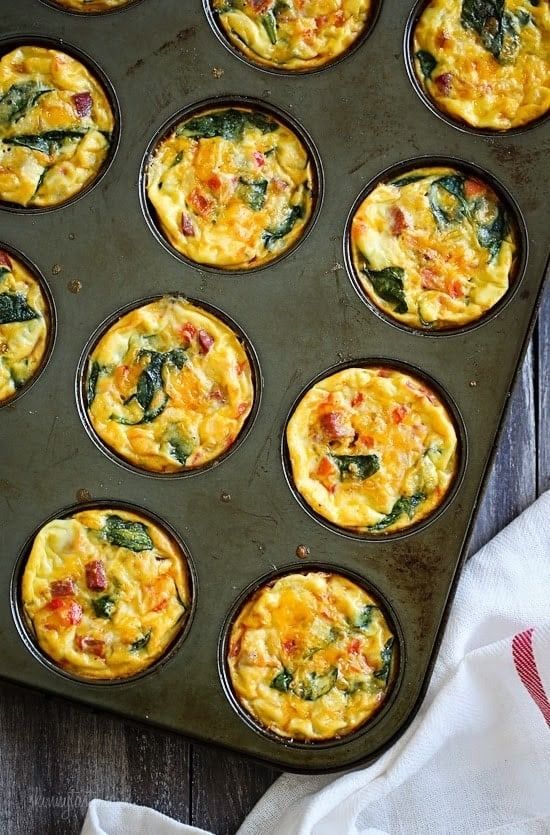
(452, 184)
(271, 236)
(491, 235)
(410, 178)
(316, 686)
(282, 681)
(180, 450)
(253, 192)
(427, 62)
(269, 22)
(19, 99)
(406, 504)
(4, 271)
(48, 142)
(388, 284)
(141, 643)
(229, 124)
(364, 618)
(523, 17)
(127, 534)
(92, 382)
(357, 466)
(386, 657)
(103, 606)
(149, 393)
(14, 308)
(496, 27)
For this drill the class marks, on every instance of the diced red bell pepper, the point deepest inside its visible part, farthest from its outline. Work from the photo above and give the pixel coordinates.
(5, 260)
(93, 646)
(289, 645)
(69, 612)
(326, 467)
(200, 202)
(96, 577)
(62, 588)
(399, 413)
(358, 398)
(205, 341)
(354, 646)
(456, 290)
(82, 103)
(474, 188)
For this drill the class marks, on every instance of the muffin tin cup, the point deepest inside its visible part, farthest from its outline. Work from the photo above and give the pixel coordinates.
(242, 520)
(514, 212)
(462, 451)
(219, 102)
(80, 387)
(7, 44)
(454, 122)
(52, 324)
(59, 8)
(398, 663)
(354, 47)
(24, 628)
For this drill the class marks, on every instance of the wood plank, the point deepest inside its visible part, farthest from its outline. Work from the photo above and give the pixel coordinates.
(55, 757)
(543, 400)
(512, 484)
(224, 789)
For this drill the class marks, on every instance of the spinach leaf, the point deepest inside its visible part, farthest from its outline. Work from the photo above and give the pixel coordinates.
(282, 681)
(127, 534)
(92, 382)
(180, 450)
(229, 124)
(141, 643)
(496, 27)
(150, 393)
(4, 271)
(406, 504)
(20, 98)
(316, 686)
(388, 284)
(491, 235)
(523, 17)
(410, 178)
(451, 184)
(46, 143)
(253, 192)
(103, 606)
(357, 466)
(427, 62)
(271, 236)
(269, 22)
(14, 308)
(386, 657)
(364, 618)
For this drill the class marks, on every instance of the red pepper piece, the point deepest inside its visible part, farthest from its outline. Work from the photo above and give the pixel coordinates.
(5, 260)
(93, 646)
(259, 158)
(82, 103)
(399, 413)
(96, 578)
(63, 588)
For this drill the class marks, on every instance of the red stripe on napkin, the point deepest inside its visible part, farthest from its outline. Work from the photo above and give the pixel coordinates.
(526, 666)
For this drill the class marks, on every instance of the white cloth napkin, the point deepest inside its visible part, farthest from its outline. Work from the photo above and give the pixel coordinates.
(475, 760)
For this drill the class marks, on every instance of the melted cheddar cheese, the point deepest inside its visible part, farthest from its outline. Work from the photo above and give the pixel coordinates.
(295, 34)
(433, 248)
(90, 6)
(485, 64)
(105, 593)
(24, 325)
(372, 450)
(55, 126)
(169, 386)
(231, 188)
(310, 656)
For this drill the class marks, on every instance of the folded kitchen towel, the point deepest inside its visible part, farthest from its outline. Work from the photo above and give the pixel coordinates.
(476, 759)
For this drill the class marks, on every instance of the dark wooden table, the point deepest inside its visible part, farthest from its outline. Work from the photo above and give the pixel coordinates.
(55, 757)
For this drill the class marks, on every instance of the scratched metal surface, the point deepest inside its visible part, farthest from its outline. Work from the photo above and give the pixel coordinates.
(302, 316)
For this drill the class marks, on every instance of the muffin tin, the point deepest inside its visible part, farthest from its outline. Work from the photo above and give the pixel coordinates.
(239, 519)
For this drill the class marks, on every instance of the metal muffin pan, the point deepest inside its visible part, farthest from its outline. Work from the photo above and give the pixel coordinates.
(240, 520)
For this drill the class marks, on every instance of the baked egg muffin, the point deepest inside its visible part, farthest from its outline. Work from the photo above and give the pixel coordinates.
(56, 125)
(296, 35)
(91, 6)
(231, 188)
(433, 247)
(310, 656)
(485, 63)
(169, 386)
(372, 450)
(24, 325)
(105, 592)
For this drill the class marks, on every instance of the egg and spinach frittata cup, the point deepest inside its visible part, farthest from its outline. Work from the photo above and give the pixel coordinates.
(293, 35)
(57, 127)
(169, 387)
(484, 63)
(105, 592)
(310, 656)
(372, 450)
(434, 248)
(232, 187)
(27, 324)
(91, 6)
